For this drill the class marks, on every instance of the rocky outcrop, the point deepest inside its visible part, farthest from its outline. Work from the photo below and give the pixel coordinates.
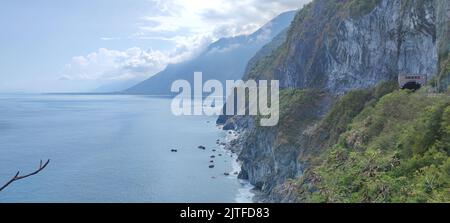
(397, 37)
(269, 156)
(332, 48)
(329, 48)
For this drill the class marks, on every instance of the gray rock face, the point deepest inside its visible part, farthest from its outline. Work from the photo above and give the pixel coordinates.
(330, 50)
(260, 171)
(266, 161)
(443, 34)
(389, 41)
(396, 37)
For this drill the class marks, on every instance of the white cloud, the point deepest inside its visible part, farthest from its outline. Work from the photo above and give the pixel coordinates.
(224, 17)
(110, 38)
(133, 63)
(189, 26)
(106, 64)
(194, 24)
(223, 50)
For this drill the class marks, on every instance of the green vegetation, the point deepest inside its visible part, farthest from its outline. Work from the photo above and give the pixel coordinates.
(444, 74)
(395, 150)
(359, 8)
(298, 108)
(347, 108)
(375, 145)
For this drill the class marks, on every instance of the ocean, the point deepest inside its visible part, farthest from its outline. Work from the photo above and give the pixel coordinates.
(111, 148)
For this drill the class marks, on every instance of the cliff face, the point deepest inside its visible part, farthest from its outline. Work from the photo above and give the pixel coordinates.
(330, 46)
(336, 47)
(269, 155)
(443, 31)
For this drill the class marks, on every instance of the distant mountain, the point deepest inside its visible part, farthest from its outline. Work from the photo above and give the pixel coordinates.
(116, 86)
(225, 59)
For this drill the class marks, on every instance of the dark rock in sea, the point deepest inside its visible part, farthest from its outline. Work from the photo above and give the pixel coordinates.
(226, 174)
(174, 150)
(202, 147)
(212, 157)
(213, 150)
(220, 154)
(211, 161)
(211, 166)
(236, 173)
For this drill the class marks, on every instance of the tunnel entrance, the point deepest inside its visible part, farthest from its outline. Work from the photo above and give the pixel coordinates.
(412, 86)
(412, 81)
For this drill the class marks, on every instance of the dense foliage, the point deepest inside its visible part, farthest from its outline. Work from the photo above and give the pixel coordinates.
(345, 110)
(297, 110)
(396, 150)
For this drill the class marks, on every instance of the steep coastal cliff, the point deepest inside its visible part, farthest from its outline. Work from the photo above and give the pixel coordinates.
(343, 57)
(333, 45)
(443, 31)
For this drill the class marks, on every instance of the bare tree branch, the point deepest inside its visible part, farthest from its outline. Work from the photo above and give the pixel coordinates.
(18, 177)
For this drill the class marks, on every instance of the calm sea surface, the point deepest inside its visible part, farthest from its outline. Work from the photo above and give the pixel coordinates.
(111, 149)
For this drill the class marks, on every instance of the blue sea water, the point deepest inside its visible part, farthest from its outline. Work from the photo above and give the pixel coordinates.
(106, 148)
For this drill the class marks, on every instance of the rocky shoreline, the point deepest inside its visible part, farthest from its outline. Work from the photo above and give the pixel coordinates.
(232, 145)
(242, 130)
(262, 165)
(356, 51)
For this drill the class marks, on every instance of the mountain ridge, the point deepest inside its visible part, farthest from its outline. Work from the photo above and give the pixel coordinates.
(223, 60)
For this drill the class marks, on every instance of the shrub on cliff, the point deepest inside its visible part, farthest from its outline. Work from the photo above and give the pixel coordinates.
(395, 151)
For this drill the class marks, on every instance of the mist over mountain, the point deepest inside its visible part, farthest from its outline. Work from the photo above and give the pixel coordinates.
(225, 59)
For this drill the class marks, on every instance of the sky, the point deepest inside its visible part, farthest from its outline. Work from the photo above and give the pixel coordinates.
(80, 45)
